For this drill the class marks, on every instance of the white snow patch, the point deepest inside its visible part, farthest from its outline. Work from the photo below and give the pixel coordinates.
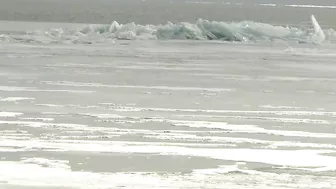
(38, 118)
(14, 88)
(50, 105)
(293, 158)
(35, 175)
(46, 125)
(10, 114)
(312, 6)
(15, 99)
(172, 88)
(105, 116)
(248, 129)
(279, 112)
(214, 125)
(268, 5)
(62, 164)
(280, 107)
(235, 140)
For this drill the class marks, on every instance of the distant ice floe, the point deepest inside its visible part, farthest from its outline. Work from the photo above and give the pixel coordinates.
(245, 31)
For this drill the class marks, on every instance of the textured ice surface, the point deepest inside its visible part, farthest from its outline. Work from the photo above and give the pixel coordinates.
(167, 114)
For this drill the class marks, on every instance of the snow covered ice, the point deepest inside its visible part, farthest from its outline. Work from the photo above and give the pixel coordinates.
(209, 104)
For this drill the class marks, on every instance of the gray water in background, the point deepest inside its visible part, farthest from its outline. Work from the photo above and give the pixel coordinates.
(161, 11)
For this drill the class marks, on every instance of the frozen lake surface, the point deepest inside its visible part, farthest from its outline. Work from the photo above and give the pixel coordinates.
(91, 111)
